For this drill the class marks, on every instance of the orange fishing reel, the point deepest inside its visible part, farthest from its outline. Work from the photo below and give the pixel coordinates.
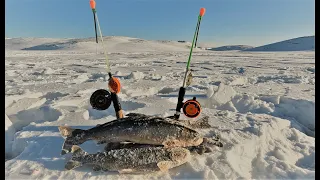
(101, 99)
(191, 108)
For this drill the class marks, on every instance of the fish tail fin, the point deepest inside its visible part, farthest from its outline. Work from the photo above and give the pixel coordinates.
(78, 153)
(65, 131)
(68, 133)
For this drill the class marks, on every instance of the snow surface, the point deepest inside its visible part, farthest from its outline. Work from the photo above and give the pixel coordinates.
(265, 118)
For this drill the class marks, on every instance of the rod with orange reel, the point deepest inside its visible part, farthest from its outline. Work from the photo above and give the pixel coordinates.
(191, 108)
(101, 99)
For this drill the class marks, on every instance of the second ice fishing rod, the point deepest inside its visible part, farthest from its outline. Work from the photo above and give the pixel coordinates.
(191, 108)
(93, 7)
(101, 99)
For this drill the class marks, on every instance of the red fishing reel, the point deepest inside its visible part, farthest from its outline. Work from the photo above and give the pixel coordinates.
(191, 108)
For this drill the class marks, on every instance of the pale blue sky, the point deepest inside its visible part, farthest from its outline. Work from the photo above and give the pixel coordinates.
(248, 22)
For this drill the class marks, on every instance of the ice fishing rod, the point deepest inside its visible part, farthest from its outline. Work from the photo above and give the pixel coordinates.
(101, 99)
(191, 108)
(197, 30)
(93, 7)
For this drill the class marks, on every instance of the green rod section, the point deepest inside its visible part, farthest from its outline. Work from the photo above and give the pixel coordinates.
(194, 37)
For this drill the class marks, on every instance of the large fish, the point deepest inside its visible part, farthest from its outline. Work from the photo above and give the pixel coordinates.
(130, 160)
(135, 128)
(205, 147)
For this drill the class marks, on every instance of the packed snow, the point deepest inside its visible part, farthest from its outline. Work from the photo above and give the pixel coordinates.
(264, 116)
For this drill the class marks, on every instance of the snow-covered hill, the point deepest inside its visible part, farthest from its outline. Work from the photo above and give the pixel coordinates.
(230, 48)
(306, 43)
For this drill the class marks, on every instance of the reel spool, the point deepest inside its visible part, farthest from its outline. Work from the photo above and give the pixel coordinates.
(100, 99)
(191, 108)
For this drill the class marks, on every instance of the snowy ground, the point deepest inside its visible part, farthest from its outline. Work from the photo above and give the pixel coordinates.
(265, 117)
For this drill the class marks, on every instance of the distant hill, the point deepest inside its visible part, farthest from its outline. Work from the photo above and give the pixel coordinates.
(129, 44)
(230, 48)
(306, 43)
(113, 44)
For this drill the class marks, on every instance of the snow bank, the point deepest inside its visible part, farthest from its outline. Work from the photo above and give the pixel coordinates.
(271, 98)
(9, 136)
(39, 114)
(246, 103)
(226, 98)
(223, 95)
(301, 111)
(271, 149)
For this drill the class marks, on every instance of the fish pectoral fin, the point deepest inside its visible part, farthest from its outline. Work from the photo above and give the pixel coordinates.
(174, 143)
(202, 123)
(164, 166)
(170, 143)
(201, 149)
(124, 171)
(212, 142)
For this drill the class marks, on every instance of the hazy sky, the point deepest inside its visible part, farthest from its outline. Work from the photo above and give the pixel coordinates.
(248, 22)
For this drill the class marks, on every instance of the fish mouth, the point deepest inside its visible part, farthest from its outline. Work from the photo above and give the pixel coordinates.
(66, 148)
(64, 151)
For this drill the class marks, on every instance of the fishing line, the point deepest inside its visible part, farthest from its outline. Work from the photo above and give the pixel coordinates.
(104, 47)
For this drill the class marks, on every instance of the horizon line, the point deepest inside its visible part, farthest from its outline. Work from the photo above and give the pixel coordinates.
(159, 39)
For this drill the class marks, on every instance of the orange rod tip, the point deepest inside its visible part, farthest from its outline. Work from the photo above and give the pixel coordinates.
(202, 11)
(92, 4)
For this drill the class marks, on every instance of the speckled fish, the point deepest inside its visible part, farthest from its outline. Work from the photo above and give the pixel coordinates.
(205, 147)
(130, 160)
(135, 128)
